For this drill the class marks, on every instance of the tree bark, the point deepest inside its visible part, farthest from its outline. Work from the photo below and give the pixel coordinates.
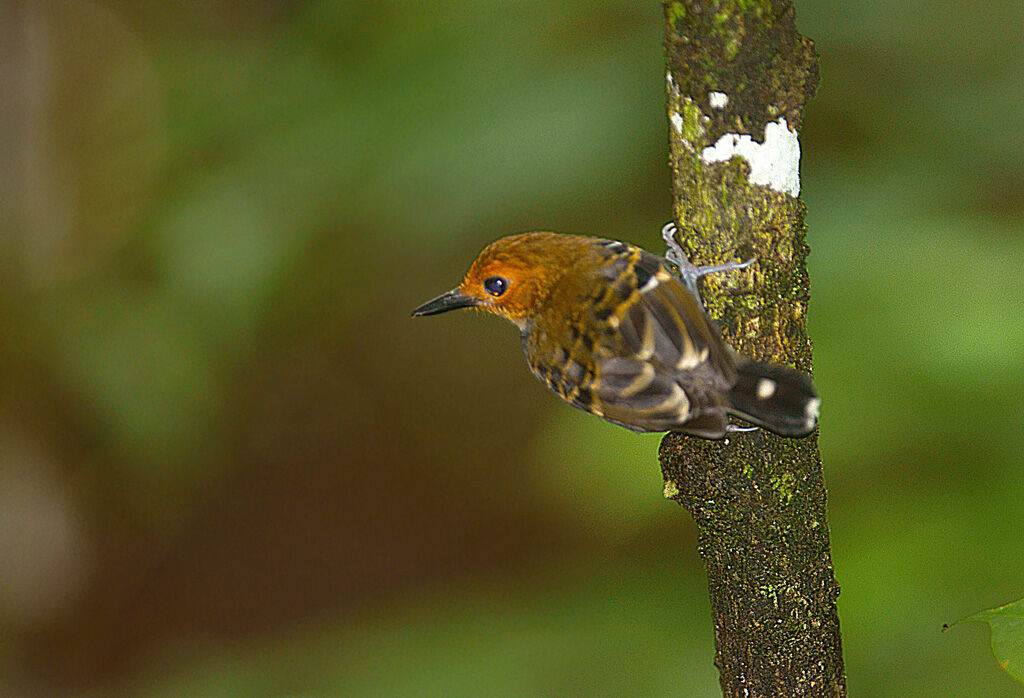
(735, 68)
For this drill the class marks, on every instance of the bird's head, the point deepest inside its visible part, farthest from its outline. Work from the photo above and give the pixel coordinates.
(510, 278)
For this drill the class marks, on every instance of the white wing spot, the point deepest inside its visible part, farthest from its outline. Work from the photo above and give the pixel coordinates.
(683, 411)
(765, 388)
(642, 380)
(647, 345)
(689, 360)
(676, 402)
(651, 283)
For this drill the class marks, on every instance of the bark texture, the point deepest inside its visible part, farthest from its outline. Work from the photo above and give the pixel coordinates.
(759, 500)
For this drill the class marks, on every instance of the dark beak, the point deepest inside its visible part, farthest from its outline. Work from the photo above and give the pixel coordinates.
(452, 300)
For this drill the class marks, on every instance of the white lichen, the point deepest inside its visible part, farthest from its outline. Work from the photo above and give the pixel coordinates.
(718, 100)
(775, 163)
(677, 122)
(672, 87)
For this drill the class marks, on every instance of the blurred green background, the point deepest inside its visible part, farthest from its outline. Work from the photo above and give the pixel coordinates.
(231, 464)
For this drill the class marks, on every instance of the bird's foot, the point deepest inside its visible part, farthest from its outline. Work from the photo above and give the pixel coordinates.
(688, 272)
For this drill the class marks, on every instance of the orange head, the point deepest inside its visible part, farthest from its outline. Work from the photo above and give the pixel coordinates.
(510, 278)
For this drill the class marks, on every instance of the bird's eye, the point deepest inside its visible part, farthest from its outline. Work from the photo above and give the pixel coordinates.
(496, 285)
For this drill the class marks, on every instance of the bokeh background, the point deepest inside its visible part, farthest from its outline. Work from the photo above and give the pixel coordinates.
(231, 464)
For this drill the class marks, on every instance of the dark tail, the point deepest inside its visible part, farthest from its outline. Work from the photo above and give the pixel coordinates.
(775, 397)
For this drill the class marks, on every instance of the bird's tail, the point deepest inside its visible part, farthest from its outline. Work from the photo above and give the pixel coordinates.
(775, 397)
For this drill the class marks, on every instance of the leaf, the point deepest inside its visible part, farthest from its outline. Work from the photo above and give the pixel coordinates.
(1007, 623)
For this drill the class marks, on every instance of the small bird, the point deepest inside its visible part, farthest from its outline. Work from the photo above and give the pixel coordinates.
(612, 331)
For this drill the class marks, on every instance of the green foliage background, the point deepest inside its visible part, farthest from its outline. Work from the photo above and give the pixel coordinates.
(230, 464)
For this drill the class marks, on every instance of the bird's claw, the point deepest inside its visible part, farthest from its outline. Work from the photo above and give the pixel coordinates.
(688, 272)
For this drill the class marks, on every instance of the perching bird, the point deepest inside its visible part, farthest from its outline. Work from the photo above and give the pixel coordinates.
(609, 328)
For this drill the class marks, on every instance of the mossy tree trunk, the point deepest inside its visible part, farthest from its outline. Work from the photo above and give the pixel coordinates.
(736, 67)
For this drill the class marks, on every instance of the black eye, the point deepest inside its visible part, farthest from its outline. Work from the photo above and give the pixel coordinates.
(496, 285)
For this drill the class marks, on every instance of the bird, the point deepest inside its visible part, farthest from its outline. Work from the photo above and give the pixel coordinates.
(612, 330)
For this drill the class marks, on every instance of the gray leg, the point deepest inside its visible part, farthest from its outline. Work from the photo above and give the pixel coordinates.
(688, 272)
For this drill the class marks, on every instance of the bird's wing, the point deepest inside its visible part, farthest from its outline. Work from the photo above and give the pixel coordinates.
(663, 365)
(660, 320)
(640, 352)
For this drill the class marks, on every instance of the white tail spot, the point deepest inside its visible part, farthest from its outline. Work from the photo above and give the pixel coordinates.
(812, 408)
(765, 388)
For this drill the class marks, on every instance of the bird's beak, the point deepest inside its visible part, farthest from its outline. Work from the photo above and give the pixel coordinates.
(452, 300)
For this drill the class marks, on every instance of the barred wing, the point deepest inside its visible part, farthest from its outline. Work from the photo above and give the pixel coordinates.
(649, 360)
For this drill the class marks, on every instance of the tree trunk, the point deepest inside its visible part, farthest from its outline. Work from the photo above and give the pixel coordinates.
(738, 77)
